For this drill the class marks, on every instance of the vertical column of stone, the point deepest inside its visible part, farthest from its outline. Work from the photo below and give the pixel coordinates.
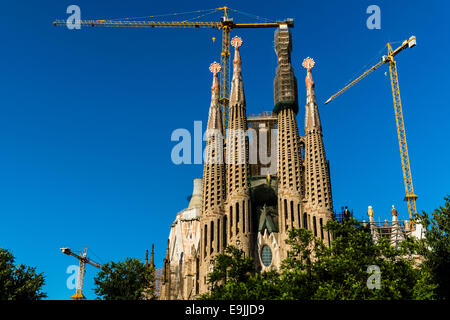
(237, 208)
(289, 156)
(319, 204)
(213, 194)
(165, 281)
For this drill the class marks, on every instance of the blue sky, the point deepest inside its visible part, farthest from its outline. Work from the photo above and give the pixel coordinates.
(86, 117)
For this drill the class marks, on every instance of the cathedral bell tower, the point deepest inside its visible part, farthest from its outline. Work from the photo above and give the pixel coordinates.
(213, 196)
(238, 205)
(289, 156)
(318, 206)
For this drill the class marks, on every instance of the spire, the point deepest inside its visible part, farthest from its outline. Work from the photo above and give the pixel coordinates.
(308, 64)
(196, 197)
(237, 87)
(285, 82)
(152, 256)
(213, 172)
(312, 119)
(146, 257)
(215, 114)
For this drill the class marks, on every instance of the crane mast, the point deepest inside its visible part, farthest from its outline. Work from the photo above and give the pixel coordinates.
(401, 132)
(226, 24)
(409, 189)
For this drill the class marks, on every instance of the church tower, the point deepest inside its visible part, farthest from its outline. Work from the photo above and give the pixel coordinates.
(237, 210)
(213, 197)
(319, 206)
(289, 156)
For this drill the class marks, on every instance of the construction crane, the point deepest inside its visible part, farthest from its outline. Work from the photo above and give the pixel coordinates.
(83, 259)
(389, 59)
(226, 24)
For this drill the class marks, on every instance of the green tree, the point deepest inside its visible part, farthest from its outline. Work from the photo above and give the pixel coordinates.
(340, 271)
(19, 282)
(234, 277)
(127, 280)
(315, 271)
(435, 248)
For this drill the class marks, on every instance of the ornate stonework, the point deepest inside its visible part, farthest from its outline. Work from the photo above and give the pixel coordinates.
(250, 206)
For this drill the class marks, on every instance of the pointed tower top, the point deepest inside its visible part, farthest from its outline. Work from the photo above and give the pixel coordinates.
(370, 211)
(152, 257)
(394, 211)
(236, 42)
(215, 115)
(237, 88)
(214, 67)
(308, 64)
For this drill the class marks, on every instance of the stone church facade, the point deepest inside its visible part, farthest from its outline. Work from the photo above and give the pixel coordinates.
(242, 200)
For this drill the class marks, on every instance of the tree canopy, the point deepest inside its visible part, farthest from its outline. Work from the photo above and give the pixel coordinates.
(125, 280)
(435, 248)
(353, 266)
(19, 282)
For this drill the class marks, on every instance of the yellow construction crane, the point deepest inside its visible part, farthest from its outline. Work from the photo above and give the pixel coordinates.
(389, 59)
(226, 24)
(83, 259)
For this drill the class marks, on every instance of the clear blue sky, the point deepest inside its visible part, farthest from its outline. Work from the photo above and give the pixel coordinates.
(86, 117)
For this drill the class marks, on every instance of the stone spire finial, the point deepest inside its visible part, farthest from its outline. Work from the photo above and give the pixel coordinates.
(152, 256)
(236, 42)
(394, 211)
(308, 64)
(215, 69)
(370, 211)
(215, 114)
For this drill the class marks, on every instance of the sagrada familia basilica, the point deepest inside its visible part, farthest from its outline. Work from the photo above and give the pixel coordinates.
(252, 205)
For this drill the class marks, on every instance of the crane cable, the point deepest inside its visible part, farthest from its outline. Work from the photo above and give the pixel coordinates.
(251, 15)
(166, 15)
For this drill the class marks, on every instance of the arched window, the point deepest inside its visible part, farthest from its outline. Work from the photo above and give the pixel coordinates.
(224, 226)
(305, 221)
(292, 213)
(321, 228)
(243, 216)
(237, 218)
(205, 238)
(218, 236)
(315, 226)
(285, 214)
(231, 221)
(211, 238)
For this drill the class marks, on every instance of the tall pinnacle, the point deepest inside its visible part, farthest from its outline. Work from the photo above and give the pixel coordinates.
(312, 119)
(152, 257)
(237, 210)
(308, 64)
(317, 173)
(285, 83)
(215, 114)
(237, 88)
